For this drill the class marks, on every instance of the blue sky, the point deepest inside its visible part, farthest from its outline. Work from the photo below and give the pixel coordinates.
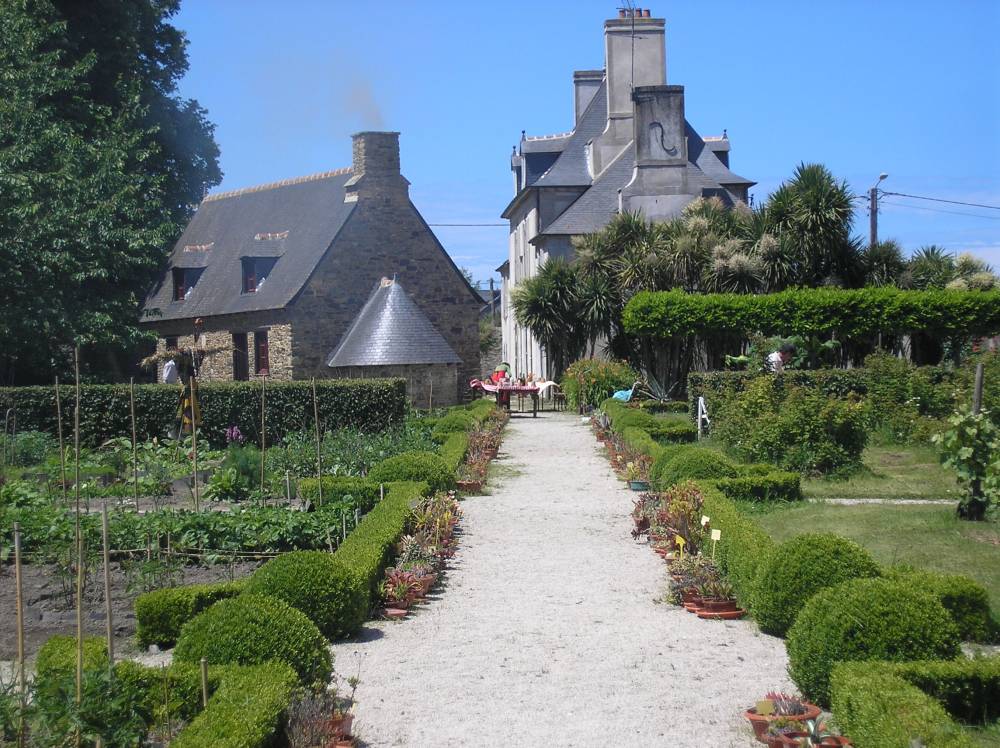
(908, 87)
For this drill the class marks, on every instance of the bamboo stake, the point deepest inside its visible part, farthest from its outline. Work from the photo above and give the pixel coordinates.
(62, 446)
(79, 541)
(288, 487)
(430, 396)
(343, 525)
(194, 447)
(109, 622)
(135, 446)
(204, 682)
(319, 457)
(166, 698)
(19, 597)
(263, 439)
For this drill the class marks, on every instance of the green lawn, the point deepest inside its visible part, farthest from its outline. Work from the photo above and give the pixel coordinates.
(925, 536)
(911, 472)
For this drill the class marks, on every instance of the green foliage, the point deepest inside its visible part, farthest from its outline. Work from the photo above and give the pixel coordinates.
(173, 691)
(252, 630)
(851, 314)
(453, 449)
(878, 709)
(329, 592)
(971, 447)
(459, 420)
(965, 599)
(744, 548)
(801, 567)
(369, 549)
(694, 463)
(796, 428)
(590, 381)
(31, 447)
(362, 492)
(670, 428)
(367, 404)
(160, 614)
(415, 466)
(56, 658)
(865, 619)
(247, 710)
(968, 688)
(770, 486)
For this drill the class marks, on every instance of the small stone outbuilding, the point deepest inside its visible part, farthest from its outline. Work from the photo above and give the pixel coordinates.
(391, 337)
(280, 272)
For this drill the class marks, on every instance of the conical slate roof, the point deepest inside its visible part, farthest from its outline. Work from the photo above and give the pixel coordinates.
(391, 329)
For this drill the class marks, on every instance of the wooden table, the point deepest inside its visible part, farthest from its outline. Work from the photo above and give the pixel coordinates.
(520, 389)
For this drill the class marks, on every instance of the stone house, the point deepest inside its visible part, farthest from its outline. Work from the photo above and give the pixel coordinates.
(631, 149)
(279, 273)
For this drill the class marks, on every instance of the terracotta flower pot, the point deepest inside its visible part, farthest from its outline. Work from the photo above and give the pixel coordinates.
(718, 606)
(759, 722)
(394, 614)
(341, 725)
(722, 615)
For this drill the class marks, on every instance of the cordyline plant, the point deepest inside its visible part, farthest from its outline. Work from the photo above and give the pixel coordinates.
(971, 447)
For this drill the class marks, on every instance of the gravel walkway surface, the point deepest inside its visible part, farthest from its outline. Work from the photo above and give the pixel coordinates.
(546, 632)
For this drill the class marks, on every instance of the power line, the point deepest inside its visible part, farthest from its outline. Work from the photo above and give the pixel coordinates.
(940, 210)
(942, 200)
(505, 225)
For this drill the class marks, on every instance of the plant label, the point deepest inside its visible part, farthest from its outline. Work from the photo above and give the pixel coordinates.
(680, 544)
(705, 520)
(716, 534)
(765, 708)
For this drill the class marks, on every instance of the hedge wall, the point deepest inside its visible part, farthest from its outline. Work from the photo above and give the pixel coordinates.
(370, 404)
(160, 614)
(813, 311)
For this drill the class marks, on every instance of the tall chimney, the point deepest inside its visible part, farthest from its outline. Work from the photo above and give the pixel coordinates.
(635, 55)
(585, 85)
(661, 154)
(375, 168)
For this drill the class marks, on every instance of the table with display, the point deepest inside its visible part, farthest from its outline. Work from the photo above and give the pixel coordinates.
(503, 391)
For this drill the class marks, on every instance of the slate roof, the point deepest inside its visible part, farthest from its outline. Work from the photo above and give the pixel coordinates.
(294, 221)
(570, 169)
(391, 329)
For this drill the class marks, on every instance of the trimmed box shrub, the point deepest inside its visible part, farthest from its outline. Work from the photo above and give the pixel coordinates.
(369, 549)
(415, 466)
(965, 599)
(801, 567)
(246, 711)
(878, 709)
(458, 420)
(370, 404)
(56, 658)
(662, 429)
(865, 619)
(775, 486)
(689, 463)
(968, 688)
(453, 449)
(329, 592)
(254, 629)
(160, 614)
(336, 487)
(180, 680)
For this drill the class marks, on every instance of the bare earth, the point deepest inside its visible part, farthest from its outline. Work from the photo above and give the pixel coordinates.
(546, 632)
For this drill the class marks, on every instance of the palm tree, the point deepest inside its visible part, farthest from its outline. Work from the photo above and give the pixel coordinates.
(884, 264)
(548, 305)
(929, 267)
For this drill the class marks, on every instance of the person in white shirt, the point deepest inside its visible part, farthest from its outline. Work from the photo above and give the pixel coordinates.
(777, 360)
(170, 372)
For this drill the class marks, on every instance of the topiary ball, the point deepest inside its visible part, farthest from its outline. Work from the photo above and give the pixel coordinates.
(415, 466)
(689, 463)
(801, 567)
(316, 583)
(866, 619)
(253, 629)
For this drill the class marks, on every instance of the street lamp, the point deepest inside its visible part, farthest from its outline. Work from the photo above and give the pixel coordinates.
(873, 210)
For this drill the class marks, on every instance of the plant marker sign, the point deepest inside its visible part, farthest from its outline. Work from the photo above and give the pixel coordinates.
(716, 537)
(765, 708)
(705, 520)
(680, 544)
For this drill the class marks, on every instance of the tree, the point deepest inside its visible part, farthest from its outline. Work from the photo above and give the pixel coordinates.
(548, 304)
(100, 164)
(884, 264)
(929, 267)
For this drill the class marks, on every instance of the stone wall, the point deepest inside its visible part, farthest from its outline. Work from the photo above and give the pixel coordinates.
(426, 386)
(218, 339)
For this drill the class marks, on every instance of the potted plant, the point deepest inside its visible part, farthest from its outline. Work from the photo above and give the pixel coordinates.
(780, 705)
(784, 732)
(633, 474)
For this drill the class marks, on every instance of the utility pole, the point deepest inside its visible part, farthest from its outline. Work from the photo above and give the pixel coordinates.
(873, 216)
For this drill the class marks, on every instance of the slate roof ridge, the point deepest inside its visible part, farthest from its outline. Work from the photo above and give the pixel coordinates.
(554, 136)
(571, 169)
(274, 185)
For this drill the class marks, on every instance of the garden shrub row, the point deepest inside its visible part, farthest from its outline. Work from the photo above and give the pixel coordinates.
(966, 600)
(850, 313)
(363, 491)
(775, 485)
(969, 689)
(878, 709)
(669, 429)
(370, 404)
(160, 614)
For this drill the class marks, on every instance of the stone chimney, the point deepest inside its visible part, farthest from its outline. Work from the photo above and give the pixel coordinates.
(634, 55)
(585, 85)
(375, 168)
(661, 154)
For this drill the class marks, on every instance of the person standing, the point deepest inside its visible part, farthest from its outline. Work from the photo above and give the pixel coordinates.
(778, 359)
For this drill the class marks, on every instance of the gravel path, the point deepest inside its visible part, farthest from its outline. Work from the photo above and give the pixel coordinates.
(546, 632)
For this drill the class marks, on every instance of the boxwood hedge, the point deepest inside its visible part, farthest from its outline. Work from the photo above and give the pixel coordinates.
(965, 599)
(104, 409)
(160, 614)
(689, 463)
(798, 569)
(329, 592)
(866, 619)
(415, 466)
(968, 688)
(254, 629)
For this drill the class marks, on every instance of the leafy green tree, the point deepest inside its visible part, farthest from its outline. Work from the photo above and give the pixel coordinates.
(929, 267)
(100, 164)
(884, 263)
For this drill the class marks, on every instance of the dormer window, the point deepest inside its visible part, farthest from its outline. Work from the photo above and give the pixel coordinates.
(255, 272)
(185, 280)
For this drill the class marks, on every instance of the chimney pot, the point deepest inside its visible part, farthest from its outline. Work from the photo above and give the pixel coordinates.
(621, 12)
(645, 12)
